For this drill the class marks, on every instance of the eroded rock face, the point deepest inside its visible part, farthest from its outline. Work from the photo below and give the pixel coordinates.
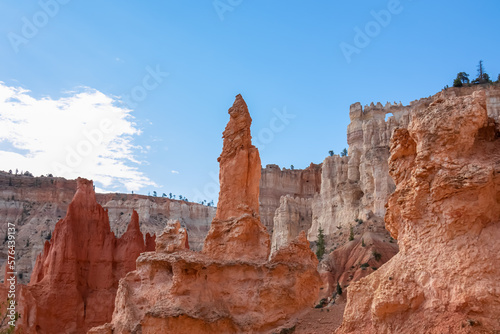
(75, 279)
(230, 287)
(173, 238)
(445, 213)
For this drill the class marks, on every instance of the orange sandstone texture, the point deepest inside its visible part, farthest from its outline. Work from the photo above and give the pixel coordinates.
(74, 282)
(231, 286)
(445, 213)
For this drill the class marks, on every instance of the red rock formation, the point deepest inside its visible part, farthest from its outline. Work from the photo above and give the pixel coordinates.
(74, 282)
(445, 213)
(236, 232)
(230, 287)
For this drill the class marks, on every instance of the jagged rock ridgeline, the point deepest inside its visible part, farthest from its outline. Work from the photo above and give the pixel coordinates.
(222, 289)
(35, 204)
(445, 213)
(74, 282)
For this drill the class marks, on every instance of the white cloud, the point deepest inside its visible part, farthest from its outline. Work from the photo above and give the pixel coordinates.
(175, 172)
(84, 134)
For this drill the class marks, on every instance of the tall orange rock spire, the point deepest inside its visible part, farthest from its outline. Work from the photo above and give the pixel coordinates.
(236, 231)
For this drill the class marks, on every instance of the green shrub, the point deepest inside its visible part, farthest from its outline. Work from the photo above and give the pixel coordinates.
(320, 251)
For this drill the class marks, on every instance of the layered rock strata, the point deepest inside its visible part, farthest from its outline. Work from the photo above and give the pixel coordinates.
(230, 287)
(445, 213)
(75, 279)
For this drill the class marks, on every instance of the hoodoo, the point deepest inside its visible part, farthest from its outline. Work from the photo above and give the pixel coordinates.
(236, 232)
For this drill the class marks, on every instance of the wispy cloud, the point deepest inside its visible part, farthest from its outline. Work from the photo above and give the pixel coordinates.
(175, 172)
(83, 134)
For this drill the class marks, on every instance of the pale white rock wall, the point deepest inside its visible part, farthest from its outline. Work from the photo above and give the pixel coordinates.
(292, 216)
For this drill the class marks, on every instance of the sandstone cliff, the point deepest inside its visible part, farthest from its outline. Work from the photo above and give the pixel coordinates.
(35, 204)
(445, 213)
(74, 281)
(230, 287)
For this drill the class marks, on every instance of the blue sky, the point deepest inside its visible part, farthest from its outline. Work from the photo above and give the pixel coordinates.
(81, 62)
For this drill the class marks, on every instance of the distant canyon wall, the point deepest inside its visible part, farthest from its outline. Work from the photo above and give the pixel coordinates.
(276, 182)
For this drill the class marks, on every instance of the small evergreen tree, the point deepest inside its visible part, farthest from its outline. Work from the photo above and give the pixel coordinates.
(482, 76)
(292, 167)
(154, 193)
(363, 242)
(331, 152)
(320, 251)
(163, 195)
(462, 78)
(339, 289)
(343, 153)
(351, 233)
